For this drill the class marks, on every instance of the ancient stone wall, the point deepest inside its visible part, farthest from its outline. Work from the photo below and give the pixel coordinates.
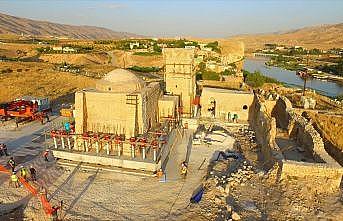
(265, 128)
(280, 112)
(326, 169)
(328, 175)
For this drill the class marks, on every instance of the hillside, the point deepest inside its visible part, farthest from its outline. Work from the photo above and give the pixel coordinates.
(15, 25)
(323, 37)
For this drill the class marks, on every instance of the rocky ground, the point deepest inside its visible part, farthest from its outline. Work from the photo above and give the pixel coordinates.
(235, 189)
(242, 190)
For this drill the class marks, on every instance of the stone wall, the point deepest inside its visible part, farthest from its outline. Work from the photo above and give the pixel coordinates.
(281, 112)
(306, 135)
(265, 129)
(328, 175)
(326, 170)
(226, 102)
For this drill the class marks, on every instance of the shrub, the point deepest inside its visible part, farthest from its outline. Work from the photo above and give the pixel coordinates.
(256, 79)
(144, 69)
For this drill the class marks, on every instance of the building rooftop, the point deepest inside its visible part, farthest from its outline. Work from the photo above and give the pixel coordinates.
(222, 90)
(120, 80)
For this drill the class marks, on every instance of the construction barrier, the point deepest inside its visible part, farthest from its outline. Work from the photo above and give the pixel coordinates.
(45, 203)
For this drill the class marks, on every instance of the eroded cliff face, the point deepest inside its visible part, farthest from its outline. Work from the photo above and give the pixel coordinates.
(232, 51)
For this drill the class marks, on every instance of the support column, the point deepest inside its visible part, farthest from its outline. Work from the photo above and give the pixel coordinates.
(108, 148)
(132, 151)
(55, 142)
(86, 146)
(155, 155)
(143, 153)
(62, 142)
(97, 146)
(119, 150)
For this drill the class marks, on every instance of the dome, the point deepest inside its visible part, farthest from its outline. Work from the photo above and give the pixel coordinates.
(120, 80)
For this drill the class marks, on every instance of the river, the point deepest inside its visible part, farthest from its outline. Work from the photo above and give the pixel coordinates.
(290, 78)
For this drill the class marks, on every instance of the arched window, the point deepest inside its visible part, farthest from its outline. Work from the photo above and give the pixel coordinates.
(245, 107)
(109, 89)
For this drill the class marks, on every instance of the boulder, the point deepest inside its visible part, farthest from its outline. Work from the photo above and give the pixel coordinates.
(235, 216)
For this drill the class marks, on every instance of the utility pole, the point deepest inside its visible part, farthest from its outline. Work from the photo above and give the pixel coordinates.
(304, 75)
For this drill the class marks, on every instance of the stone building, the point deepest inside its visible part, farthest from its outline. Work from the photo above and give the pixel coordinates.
(224, 103)
(121, 104)
(180, 76)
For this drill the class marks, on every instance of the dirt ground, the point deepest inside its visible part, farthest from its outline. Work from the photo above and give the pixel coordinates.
(294, 95)
(38, 79)
(92, 194)
(243, 190)
(126, 59)
(77, 59)
(14, 50)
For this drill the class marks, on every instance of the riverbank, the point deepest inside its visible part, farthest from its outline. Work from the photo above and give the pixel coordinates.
(294, 64)
(289, 78)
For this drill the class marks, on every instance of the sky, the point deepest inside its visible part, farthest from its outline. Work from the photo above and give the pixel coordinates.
(211, 19)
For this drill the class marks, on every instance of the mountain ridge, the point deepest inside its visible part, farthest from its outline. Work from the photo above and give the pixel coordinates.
(16, 25)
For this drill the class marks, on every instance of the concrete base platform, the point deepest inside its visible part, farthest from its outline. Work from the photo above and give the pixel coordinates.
(107, 160)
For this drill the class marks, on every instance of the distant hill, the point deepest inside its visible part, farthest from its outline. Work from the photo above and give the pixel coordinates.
(15, 25)
(323, 37)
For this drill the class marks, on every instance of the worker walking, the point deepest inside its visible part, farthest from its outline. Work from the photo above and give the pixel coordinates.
(55, 209)
(1, 150)
(23, 173)
(45, 155)
(33, 174)
(11, 163)
(184, 169)
(14, 180)
(4, 149)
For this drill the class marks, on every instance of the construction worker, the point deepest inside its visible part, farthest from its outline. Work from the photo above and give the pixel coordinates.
(23, 172)
(33, 173)
(14, 180)
(11, 163)
(45, 155)
(54, 214)
(47, 117)
(184, 169)
(4, 149)
(67, 127)
(159, 173)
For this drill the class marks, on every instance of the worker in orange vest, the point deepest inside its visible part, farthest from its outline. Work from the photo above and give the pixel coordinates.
(159, 173)
(45, 155)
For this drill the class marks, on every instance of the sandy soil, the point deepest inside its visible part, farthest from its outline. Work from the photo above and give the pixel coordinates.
(38, 79)
(127, 59)
(78, 59)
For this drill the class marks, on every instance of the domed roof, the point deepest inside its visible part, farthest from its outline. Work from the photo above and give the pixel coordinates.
(120, 80)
